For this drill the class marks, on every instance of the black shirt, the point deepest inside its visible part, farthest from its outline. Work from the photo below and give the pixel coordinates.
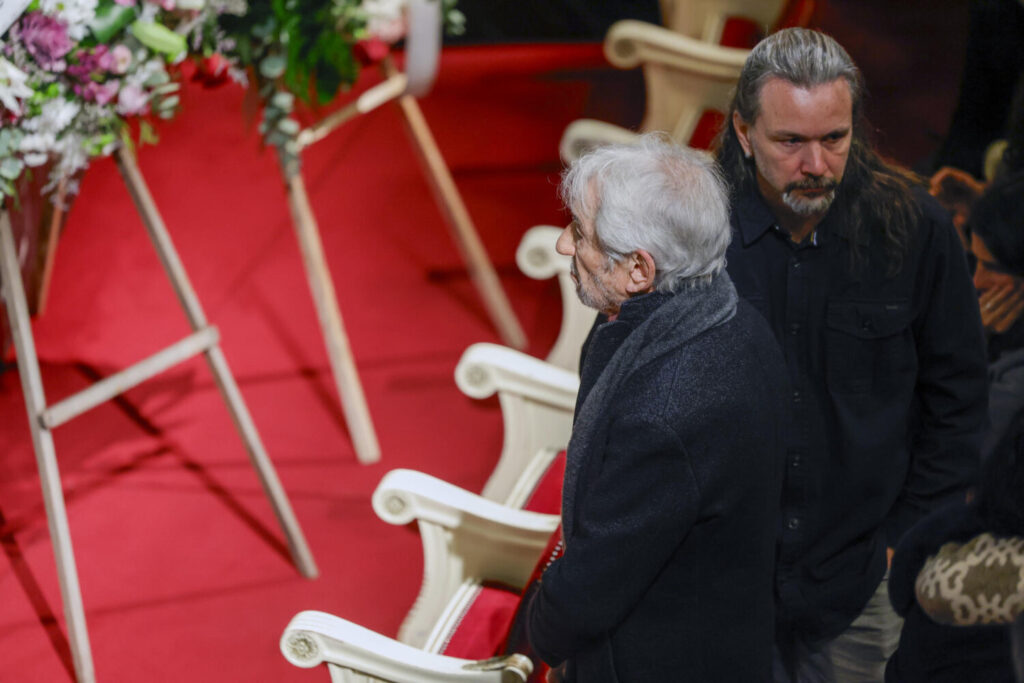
(888, 398)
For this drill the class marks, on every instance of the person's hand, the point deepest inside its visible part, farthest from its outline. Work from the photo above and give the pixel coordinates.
(954, 181)
(889, 552)
(956, 191)
(1001, 307)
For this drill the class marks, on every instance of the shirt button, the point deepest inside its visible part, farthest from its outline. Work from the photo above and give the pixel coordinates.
(794, 328)
(793, 523)
(796, 266)
(795, 461)
(796, 397)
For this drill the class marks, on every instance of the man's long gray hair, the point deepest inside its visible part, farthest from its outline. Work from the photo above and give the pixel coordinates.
(874, 197)
(803, 57)
(659, 196)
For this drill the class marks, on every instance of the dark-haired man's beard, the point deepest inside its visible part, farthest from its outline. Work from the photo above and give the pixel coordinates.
(811, 196)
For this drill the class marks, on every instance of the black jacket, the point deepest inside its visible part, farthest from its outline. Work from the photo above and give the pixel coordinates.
(888, 397)
(670, 499)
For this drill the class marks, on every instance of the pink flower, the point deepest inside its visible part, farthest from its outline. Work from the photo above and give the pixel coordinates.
(104, 60)
(46, 39)
(132, 100)
(100, 93)
(122, 59)
(105, 92)
(125, 3)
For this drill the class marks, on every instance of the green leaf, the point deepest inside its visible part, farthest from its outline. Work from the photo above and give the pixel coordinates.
(272, 66)
(159, 38)
(110, 19)
(147, 135)
(168, 104)
(11, 168)
(156, 79)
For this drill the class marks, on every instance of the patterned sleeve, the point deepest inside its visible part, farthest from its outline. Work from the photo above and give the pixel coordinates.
(974, 583)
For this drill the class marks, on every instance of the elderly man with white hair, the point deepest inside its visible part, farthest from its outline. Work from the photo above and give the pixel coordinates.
(671, 492)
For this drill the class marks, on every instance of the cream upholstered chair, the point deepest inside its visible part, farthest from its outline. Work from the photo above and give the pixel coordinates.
(468, 539)
(478, 557)
(687, 71)
(471, 541)
(537, 402)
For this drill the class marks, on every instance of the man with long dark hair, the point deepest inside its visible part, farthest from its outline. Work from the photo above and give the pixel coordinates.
(864, 282)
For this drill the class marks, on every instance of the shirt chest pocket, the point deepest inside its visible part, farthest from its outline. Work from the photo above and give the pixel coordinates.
(869, 345)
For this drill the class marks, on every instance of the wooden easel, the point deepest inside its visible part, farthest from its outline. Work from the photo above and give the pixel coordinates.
(43, 418)
(396, 87)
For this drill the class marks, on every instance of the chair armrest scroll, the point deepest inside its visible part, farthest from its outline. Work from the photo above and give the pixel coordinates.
(313, 638)
(488, 368)
(406, 495)
(630, 43)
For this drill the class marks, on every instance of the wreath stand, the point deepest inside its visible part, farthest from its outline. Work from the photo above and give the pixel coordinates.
(422, 50)
(43, 418)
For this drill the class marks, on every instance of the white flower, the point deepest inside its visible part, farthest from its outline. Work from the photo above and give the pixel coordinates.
(55, 116)
(385, 19)
(145, 71)
(149, 12)
(35, 148)
(190, 4)
(13, 86)
(387, 10)
(71, 156)
(77, 14)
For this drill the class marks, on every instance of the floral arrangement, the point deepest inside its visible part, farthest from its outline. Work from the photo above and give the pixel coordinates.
(74, 72)
(311, 50)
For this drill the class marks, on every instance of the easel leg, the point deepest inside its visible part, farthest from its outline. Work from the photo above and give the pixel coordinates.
(218, 364)
(466, 238)
(346, 376)
(46, 455)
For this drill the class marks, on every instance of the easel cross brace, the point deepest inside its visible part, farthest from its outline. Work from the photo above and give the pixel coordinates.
(43, 418)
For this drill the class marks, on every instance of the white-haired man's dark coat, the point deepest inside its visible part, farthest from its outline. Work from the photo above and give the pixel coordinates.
(671, 496)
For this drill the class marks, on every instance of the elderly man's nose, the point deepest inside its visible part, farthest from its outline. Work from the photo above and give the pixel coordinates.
(565, 245)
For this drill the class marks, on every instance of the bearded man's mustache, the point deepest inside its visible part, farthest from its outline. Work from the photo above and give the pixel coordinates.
(813, 184)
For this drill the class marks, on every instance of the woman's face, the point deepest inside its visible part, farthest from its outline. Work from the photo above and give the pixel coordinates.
(1000, 292)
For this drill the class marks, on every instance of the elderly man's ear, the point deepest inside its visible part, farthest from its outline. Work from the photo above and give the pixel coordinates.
(641, 273)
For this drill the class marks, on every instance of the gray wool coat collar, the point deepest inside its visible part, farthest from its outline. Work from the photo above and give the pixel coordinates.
(682, 317)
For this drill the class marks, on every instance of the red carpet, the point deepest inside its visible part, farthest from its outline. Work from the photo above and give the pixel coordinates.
(184, 572)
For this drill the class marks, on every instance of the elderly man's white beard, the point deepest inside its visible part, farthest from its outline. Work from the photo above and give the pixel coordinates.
(598, 297)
